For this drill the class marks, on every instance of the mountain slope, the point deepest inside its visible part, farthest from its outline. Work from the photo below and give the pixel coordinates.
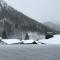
(15, 22)
(52, 25)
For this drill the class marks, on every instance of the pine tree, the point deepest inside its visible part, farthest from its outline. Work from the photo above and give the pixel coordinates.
(4, 34)
(27, 36)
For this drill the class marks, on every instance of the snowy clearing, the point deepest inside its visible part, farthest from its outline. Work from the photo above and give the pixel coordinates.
(54, 40)
(29, 41)
(10, 41)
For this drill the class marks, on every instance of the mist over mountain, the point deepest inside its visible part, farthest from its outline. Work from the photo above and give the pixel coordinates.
(15, 22)
(52, 25)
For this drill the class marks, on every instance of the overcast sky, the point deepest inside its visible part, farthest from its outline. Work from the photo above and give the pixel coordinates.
(40, 10)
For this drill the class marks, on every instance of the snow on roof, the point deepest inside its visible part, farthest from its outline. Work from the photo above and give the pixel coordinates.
(53, 40)
(28, 41)
(11, 41)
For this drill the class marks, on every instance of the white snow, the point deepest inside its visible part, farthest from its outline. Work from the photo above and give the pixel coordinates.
(28, 41)
(54, 40)
(11, 41)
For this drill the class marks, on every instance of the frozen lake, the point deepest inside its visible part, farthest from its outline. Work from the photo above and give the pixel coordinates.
(30, 52)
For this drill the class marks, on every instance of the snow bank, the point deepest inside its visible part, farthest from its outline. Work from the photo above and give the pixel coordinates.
(54, 40)
(11, 41)
(28, 41)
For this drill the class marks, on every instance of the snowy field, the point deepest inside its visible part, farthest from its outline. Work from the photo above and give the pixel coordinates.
(30, 52)
(53, 40)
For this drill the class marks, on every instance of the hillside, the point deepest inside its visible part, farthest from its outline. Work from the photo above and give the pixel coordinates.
(52, 25)
(15, 22)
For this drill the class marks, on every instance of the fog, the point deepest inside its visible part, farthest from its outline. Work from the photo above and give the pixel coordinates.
(40, 10)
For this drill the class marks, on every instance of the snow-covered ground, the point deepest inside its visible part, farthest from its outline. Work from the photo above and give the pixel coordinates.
(54, 40)
(17, 41)
(29, 41)
(11, 41)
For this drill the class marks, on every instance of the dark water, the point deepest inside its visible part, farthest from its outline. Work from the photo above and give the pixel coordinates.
(30, 52)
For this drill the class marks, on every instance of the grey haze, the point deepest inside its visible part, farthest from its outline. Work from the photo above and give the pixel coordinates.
(40, 10)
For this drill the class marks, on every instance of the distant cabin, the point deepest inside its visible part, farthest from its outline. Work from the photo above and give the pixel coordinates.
(48, 35)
